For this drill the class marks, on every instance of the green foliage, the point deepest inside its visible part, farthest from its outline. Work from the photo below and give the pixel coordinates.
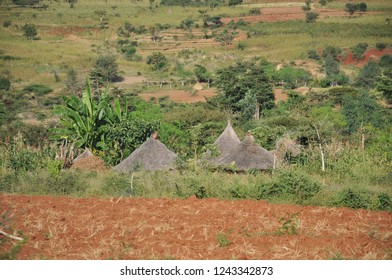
(122, 138)
(293, 77)
(385, 86)
(25, 2)
(222, 239)
(312, 54)
(266, 135)
(5, 84)
(235, 2)
(30, 31)
(291, 185)
(81, 119)
(381, 45)
(359, 50)
(311, 17)
(157, 61)
(202, 74)
(289, 225)
(353, 198)
(244, 79)
(369, 75)
(225, 37)
(351, 8)
(332, 51)
(332, 71)
(362, 110)
(254, 12)
(105, 69)
(386, 61)
(39, 90)
(212, 21)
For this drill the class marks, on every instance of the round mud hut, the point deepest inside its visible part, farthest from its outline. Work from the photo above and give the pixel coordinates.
(151, 155)
(247, 155)
(228, 140)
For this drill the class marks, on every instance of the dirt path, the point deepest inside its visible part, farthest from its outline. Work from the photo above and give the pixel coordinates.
(128, 228)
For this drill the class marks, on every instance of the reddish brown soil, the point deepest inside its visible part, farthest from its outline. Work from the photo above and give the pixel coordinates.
(180, 96)
(373, 54)
(275, 14)
(136, 228)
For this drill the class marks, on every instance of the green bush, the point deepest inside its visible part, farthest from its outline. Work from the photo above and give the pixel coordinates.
(292, 185)
(5, 84)
(355, 199)
(38, 89)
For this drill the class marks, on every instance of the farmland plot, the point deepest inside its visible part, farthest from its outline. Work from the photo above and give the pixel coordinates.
(130, 228)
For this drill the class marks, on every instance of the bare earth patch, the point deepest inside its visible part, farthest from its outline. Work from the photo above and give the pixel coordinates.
(137, 228)
(275, 14)
(181, 96)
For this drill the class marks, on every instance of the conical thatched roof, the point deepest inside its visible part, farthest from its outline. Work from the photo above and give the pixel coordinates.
(151, 155)
(248, 155)
(86, 153)
(228, 140)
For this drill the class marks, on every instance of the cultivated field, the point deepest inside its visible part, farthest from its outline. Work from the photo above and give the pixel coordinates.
(138, 228)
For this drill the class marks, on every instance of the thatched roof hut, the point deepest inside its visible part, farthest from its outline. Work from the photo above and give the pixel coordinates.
(248, 155)
(151, 155)
(85, 154)
(228, 140)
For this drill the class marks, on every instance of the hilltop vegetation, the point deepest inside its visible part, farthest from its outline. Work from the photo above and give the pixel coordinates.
(334, 74)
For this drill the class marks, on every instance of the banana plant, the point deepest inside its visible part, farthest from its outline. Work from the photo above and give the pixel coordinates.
(80, 119)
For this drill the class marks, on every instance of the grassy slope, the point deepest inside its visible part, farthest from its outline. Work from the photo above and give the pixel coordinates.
(60, 47)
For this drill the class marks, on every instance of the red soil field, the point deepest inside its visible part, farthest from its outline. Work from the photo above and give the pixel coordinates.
(275, 14)
(374, 54)
(181, 96)
(140, 228)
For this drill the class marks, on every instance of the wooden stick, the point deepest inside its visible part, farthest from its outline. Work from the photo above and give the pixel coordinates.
(11, 236)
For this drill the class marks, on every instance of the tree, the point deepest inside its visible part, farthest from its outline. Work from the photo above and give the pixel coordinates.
(323, 3)
(362, 7)
(157, 61)
(202, 74)
(332, 71)
(307, 6)
(241, 83)
(5, 84)
(385, 86)
(225, 37)
(30, 31)
(369, 75)
(293, 77)
(311, 17)
(105, 69)
(361, 110)
(359, 50)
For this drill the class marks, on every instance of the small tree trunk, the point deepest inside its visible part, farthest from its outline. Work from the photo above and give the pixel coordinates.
(321, 149)
(257, 113)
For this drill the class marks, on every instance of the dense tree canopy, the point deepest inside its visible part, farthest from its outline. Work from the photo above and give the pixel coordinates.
(242, 84)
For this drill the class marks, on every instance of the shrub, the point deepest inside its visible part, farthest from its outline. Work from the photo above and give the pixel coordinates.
(290, 184)
(30, 31)
(359, 50)
(7, 23)
(157, 61)
(105, 69)
(381, 46)
(38, 89)
(312, 54)
(5, 84)
(254, 12)
(353, 199)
